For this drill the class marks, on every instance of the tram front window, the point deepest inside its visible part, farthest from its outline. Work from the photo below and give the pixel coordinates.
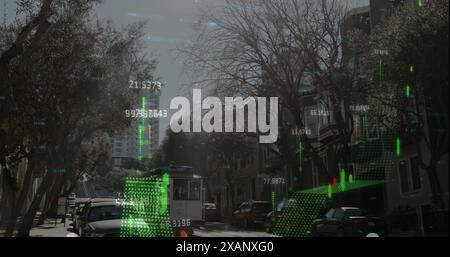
(184, 189)
(180, 189)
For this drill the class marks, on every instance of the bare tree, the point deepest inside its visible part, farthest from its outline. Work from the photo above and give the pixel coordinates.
(412, 92)
(273, 48)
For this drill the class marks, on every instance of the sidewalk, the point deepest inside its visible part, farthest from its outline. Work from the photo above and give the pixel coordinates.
(48, 229)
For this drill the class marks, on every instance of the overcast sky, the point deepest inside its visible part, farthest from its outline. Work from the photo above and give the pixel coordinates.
(170, 25)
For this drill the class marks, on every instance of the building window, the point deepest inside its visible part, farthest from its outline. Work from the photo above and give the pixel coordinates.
(403, 170)
(415, 173)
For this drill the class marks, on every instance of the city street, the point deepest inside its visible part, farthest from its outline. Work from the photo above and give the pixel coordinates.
(216, 229)
(229, 233)
(49, 229)
(219, 229)
(213, 118)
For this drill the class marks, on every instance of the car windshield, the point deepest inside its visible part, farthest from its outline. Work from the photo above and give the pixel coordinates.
(261, 206)
(282, 205)
(354, 212)
(109, 212)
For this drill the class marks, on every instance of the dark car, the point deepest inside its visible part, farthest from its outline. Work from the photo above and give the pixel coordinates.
(348, 222)
(293, 217)
(103, 220)
(106, 219)
(286, 212)
(80, 219)
(251, 213)
(211, 212)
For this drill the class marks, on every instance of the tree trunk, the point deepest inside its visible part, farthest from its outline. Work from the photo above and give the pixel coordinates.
(28, 219)
(50, 200)
(7, 201)
(4, 203)
(21, 200)
(45, 210)
(9, 210)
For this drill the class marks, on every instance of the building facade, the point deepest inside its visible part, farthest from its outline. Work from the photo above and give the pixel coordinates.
(141, 140)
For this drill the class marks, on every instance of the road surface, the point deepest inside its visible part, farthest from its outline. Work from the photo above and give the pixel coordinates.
(219, 233)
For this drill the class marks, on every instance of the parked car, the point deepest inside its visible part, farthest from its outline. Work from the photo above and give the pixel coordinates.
(292, 214)
(250, 213)
(274, 215)
(80, 217)
(211, 212)
(105, 219)
(285, 212)
(348, 222)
